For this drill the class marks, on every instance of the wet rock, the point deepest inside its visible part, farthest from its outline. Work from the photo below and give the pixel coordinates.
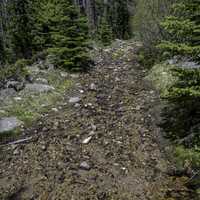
(38, 88)
(9, 124)
(85, 166)
(74, 100)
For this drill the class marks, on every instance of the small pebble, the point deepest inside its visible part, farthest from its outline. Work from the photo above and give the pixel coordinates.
(85, 166)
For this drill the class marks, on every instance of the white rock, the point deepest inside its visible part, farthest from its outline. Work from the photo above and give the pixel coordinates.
(85, 166)
(17, 98)
(54, 109)
(93, 86)
(74, 99)
(87, 140)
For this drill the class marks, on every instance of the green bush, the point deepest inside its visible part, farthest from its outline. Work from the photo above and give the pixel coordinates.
(17, 71)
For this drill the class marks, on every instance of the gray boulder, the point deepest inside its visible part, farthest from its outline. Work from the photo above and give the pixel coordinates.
(74, 100)
(17, 85)
(9, 124)
(5, 93)
(38, 88)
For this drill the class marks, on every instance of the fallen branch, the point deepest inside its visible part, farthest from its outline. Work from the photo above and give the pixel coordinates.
(20, 141)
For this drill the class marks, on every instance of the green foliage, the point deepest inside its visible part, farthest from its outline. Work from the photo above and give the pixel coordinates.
(105, 33)
(17, 70)
(67, 35)
(188, 85)
(146, 27)
(183, 29)
(114, 18)
(119, 18)
(184, 156)
(20, 28)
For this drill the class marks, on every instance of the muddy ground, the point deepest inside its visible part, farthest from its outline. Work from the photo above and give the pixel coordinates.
(106, 146)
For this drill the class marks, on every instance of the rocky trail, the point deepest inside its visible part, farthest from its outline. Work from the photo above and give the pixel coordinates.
(103, 143)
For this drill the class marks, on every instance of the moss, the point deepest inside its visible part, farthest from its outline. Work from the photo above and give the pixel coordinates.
(185, 156)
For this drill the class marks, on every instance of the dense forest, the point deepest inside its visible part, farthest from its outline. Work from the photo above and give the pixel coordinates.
(68, 36)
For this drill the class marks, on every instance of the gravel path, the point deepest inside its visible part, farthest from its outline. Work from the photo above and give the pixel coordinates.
(103, 146)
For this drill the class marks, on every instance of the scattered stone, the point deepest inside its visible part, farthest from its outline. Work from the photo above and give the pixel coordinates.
(43, 147)
(137, 108)
(16, 152)
(9, 124)
(74, 99)
(81, 91)
(93, 87)
(17, 98)
(16, 85)
(41, 80)
(74, 75)
(91, 133)
(94, 128)
(85, 166)
(77, 105)
(54, 109)
(38, 88)
(64, 74)
(87, 140)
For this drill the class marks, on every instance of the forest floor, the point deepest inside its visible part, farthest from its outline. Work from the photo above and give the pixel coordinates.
(103, 144)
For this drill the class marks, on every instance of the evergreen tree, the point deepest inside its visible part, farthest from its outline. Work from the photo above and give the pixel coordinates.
(105, 32)
(119, 18)
(69, 35)
(184, 32)
(183, 29)
(21, 28)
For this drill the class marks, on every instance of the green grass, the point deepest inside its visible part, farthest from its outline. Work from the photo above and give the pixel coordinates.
(185, 156)
(30, 107)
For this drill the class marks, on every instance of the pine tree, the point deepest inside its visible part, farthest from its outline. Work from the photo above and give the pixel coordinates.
(184, 32)
(183, 29)
(20, 28)
(119, 17)
(105, 35)
(69, 35)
